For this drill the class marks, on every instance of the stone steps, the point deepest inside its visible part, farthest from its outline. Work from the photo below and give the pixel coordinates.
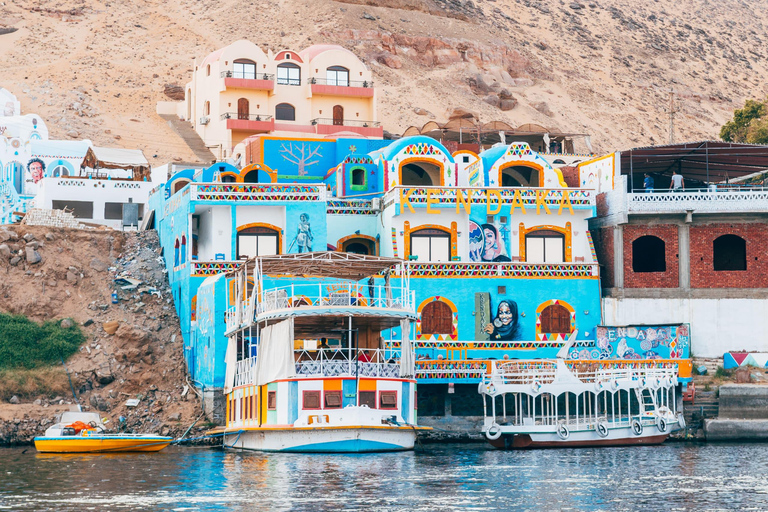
(190, 137)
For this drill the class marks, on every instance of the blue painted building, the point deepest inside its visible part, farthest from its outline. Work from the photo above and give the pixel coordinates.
(499, 253)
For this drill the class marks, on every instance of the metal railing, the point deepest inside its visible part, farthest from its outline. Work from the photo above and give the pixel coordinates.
(246, 117)
(342, 294)
(331, 362)
(544, 372)
(341, 82)
(247, 75)
(345, 122)
(288, 81)
(245, 371)
(699, 200)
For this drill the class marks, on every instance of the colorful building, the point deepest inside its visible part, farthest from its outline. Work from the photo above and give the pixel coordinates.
(239, 91)
(499, 255)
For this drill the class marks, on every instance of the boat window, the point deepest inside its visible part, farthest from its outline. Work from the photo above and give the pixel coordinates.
(431, 245)
(333, 399)
(436, 318)
(545, 246)
(555, 319)
(368, 398)
(388, 399)
(311, 400)
(271, 400)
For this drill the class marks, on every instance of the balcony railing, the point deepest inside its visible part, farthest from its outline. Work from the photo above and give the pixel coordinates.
(245, 117)
(288, 81)
(699, 201)
(345, 122)
(341, 83)
(237, 192)
(344, 294)
(247, 76)
(553, 198)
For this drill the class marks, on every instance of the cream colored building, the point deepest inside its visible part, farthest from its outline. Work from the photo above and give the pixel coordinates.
(239, 91)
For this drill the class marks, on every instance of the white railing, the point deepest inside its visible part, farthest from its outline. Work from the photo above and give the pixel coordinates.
(755, 200)
(345, 363)
(544, 372)
(256, 192)
(245, 371)
(349, 294)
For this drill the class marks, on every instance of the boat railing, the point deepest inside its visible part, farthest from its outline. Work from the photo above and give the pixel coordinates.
(245, 371)
(331, 362)
(349, 294)
(545, 372)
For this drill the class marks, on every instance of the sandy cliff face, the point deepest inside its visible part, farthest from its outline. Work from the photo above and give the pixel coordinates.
(96, 69)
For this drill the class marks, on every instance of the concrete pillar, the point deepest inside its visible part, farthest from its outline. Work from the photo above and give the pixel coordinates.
(448, 408)
(618, 256)
(684, 255)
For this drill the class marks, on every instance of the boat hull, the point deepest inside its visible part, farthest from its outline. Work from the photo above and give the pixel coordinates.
(101, 444)
(578, 439)
(324, 439)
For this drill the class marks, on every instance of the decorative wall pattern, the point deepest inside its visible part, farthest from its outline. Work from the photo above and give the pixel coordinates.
(554, 336)
(351, 207)
(236, 192)
(212, 268)
(736, 359)
(523, 270)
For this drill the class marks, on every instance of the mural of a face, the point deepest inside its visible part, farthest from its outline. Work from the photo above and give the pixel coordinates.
(505, 326)
(36, 169)
(493, 248)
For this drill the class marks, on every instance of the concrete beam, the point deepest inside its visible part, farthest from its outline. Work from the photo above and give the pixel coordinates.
(748, 401)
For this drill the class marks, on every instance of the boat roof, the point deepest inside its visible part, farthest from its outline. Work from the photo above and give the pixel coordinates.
(341, 265)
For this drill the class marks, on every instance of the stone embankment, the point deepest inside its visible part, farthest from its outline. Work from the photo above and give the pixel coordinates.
(134, 347)
(743, 414)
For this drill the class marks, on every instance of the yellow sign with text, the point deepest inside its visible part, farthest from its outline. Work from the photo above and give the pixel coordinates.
(493, 201)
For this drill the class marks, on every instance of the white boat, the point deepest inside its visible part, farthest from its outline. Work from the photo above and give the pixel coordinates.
(559, 403)
(298, 394)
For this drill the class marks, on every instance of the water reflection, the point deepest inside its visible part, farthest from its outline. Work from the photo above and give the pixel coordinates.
(437, 477)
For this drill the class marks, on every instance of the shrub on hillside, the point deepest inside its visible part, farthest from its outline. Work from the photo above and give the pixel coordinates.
(749, 124)
(26, 344)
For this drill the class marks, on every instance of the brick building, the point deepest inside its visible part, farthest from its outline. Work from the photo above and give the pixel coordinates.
(699, 255)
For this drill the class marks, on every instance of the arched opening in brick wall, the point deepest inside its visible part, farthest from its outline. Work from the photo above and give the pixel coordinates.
(649, 254)
(729, 253)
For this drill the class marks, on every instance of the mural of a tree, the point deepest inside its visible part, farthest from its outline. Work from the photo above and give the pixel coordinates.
(301, 155)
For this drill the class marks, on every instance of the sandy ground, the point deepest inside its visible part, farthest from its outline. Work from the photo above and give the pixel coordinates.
(96, 69)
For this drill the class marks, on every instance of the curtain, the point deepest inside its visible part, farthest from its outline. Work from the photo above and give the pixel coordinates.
(407, 365)
(274, 358)
(230, 359)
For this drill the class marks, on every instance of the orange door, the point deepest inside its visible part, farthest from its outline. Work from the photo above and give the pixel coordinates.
(338, 115)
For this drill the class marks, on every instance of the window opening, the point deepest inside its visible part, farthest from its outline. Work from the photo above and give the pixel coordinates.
(729, 253)
(431, 245)
(649, 254)
(288, 74)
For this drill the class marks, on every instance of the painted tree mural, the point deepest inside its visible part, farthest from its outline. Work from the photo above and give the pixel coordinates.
(301, 155)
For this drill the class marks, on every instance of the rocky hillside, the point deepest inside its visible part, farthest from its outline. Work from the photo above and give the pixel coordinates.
(604, 67)
(133, 348)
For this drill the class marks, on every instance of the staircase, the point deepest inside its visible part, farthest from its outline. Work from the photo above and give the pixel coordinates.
(9, 203)
(188, 134)
(647, 400)
(705, 405)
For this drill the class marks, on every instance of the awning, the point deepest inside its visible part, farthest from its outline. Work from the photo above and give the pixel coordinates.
(340, 265)
(117, 158)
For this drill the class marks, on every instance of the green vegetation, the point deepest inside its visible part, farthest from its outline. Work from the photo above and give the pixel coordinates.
(722, 373)
(749, 124)
(26, 384)
(26, 344)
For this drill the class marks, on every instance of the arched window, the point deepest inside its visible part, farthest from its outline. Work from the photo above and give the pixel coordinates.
(359, 245)
(421, 174)
(649, 254)
(176, 252)
(244, 68)
(257, 241)
(545, 246)
(519, 176)
(431, 245)
(337, 75)
(358, 179)
(730, 253)
(178, 185)
(243, 108)
(338, 115)
(288, 74)
(228, 178)
(252, 176)
(436, 318)
(183, 249)
(555, 319)
(285, 112)
(357, 248)
(59, 171)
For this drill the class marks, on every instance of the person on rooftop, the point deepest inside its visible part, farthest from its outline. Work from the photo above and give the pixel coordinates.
(677, 184)
(648, 183)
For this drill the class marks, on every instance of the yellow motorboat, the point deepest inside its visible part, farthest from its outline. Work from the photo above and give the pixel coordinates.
(83, 432)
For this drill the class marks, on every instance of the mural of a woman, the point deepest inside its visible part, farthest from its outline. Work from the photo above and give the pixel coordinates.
(505, 327)
(304, 237)
(494, 246)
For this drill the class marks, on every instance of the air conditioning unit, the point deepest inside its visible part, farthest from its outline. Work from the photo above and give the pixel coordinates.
(205, 120)
(376, 203)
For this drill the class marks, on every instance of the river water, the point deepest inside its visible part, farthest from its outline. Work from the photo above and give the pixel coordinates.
(674, 476)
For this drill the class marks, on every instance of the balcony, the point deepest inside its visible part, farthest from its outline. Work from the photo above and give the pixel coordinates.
(256, 192)
(327, 126)
(253, 81)
(715, 200)
(335, 87)
(257, 123)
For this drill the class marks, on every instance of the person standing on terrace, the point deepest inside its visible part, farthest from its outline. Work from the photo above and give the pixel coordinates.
(648, 183)
(677, 185)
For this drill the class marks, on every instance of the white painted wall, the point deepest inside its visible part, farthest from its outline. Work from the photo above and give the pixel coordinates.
(214, 233)
(717, 325)
(98, 192)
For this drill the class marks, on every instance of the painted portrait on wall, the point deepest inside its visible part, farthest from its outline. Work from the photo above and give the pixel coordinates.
(493, 244)
(304, 237)
(36, 170)
(504, 325)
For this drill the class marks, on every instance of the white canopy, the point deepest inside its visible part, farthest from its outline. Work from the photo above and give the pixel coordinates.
(407, 363)
(274, 359)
